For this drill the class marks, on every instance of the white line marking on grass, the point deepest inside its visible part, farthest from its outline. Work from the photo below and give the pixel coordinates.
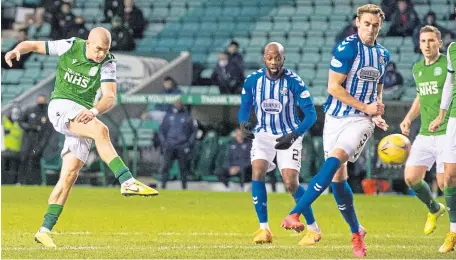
(58, 248)
(264, 246)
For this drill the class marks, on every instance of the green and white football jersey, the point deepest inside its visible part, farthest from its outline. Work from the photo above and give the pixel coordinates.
(451, 63)
(429, 80)
(78, 78)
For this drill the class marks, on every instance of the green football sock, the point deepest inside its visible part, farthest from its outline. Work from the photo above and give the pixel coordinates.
(52, 215)
(120, 170)
(423, 192)
(450, 198)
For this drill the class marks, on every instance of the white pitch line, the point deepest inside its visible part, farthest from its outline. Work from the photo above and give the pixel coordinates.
(58, 248)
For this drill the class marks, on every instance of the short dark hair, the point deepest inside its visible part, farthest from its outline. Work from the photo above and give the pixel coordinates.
(168, 78)
(233, 42)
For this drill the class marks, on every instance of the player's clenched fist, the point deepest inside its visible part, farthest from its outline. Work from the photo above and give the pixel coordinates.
(9, 56)
(435, 125)
(375, 108)
(405, 126)
(85, 116)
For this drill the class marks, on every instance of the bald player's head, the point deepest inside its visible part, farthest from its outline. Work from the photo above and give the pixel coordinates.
(274, 57)
(98, 44)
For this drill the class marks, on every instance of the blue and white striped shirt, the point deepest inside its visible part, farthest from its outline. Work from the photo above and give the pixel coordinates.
(364, 66)
(275, 102)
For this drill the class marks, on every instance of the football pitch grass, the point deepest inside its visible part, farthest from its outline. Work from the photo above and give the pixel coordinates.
(100, 223)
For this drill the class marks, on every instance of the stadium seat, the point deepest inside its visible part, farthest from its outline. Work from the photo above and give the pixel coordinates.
(199, 90)
(409, 94)
(208, 153)
(13, 76)
(319, 152)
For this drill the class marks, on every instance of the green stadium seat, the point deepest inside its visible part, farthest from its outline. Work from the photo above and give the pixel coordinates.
(409, 94)
(304, 11)
(392, 42)
(315, 41)
(318, 25)
(306, 74)
(177, 11)
(281, 26)
(422, 10)
(214, 90)
(292, 58)
(231, 11)
(319, 151)
(300, 26)
(286, 11)
(13, 76)
(263, 26)
(207, 73)
(311, 57)
(152, 124)
(322, 3)
(323, 12)
(307, 158)
(207, 155)
(199, 90)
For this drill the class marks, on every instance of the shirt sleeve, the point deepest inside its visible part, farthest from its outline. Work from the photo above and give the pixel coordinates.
(449, 63)
(386, 57)
(300, 91)
(246, 99)
(344, 55)
(58, 47)
(109, 71)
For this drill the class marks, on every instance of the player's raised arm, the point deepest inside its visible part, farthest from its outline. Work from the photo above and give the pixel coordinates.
(24, 48)
(446, 95)
(246, 106)
(108, 88)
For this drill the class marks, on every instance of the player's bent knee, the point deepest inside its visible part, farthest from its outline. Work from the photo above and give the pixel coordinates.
(102, 131)
(450, 175)
(413, 175)
(340, 154)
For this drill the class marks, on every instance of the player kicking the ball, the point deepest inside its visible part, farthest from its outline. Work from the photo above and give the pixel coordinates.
(83, 68)
(353, 109)
(449, 148)
(429, 74)
(275, 92)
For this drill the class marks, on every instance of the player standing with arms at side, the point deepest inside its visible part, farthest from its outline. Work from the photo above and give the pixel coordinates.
(429, 74)
(353, 108)
(83, 68)
(275, 93)
(449, 149)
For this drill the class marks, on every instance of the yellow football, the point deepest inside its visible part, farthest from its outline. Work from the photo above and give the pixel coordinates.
(394, 149)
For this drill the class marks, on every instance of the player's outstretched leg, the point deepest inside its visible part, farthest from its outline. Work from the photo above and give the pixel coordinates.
(99, 132)
(291, 181)
(317, 186)
(414, 178)
(260, 201)
(68, 175)
(313, 233)
(450, 197)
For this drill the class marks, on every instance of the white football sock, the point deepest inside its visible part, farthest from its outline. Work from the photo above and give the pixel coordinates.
(264, 225)
(453, 227)
(128, 182)
(314, 226)
(44, 229)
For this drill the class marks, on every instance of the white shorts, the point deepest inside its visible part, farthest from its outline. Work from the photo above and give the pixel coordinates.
(449, 149)
(263, 148)
(61, 112)
(426, 150)
(348, 133)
